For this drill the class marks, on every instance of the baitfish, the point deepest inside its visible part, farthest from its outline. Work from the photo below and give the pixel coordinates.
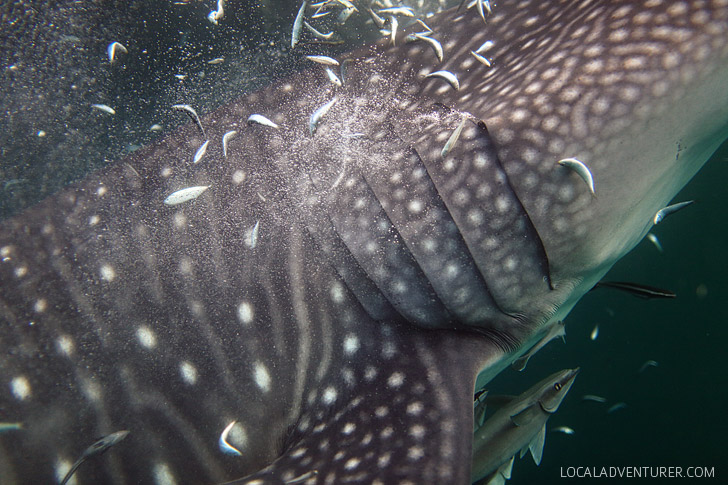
(385, 278)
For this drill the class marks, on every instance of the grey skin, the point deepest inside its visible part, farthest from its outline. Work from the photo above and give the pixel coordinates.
(518, 426)
(384, 277)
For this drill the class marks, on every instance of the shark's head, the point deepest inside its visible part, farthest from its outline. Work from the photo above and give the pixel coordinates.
(552, 390)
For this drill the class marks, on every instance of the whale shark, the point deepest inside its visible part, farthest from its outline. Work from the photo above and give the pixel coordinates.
(313, 300)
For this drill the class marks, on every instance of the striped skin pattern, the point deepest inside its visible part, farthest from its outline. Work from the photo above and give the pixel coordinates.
(346, 339)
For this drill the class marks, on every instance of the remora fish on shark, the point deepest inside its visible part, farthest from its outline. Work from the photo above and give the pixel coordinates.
(384, 278)
(519, 425)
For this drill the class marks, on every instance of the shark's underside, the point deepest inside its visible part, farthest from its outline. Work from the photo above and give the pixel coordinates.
(340, 284)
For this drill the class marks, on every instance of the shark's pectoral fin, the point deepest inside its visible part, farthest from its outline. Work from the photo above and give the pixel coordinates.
(409, 418)
(536, 445)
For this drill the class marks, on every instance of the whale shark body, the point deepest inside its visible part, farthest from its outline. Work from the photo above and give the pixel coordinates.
(319, 313)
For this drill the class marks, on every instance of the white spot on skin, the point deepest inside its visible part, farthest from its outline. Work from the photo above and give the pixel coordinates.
(395, 380)
(351, 344)
(415, 453)
(107, 272)
(40, 305)
(329, 395)
(238, 177)
(91, 389)
(337, 292)
(146, 337)
(65, 345)
(21, 271)
(180, 220)
(188, 372)
(262, 376)
(349, 428)
(185, 265)
(417, 431)
(245, 313)
(415, 408)
(415, 206)
(298, 452)
(93, 220)
(352, 463)
(20, 387)
(163, 474)
(370, 373)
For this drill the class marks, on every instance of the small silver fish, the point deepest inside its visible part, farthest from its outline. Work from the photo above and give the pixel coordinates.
(217, 60)
(616, 407)
(216, 15)
(333, 77)
(563, 429)
(201, 152)
(183, 195)
(483, 60)
(224, 446)
(403, 11)
(325, 60)
(594, 332)
(434, 43)
(447, 76)
(316, 33)
(378, 21)
(318, 114)
(394, 23)
(302, 478)
(298, 25)
(94, 450)
(190, 111)
(424, 25)
(112, 48)
(653, 239)
(347, 4)
(261, 120)
(253, 240)
(593, 398)
(670, 209)
(450, 144)
(320, 12)
(105, 108)
(483, 6)
(485, 46)
(581, 170)
(226, 139)
(649, 363)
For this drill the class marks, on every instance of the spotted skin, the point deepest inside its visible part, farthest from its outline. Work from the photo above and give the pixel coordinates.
(383, 278)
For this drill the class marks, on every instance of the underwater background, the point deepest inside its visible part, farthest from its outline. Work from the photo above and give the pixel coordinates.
(53, 66)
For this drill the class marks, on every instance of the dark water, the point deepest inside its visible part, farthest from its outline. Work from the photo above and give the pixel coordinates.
(674, 414)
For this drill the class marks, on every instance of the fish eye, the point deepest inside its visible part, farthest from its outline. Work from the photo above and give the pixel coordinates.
(557, 386)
